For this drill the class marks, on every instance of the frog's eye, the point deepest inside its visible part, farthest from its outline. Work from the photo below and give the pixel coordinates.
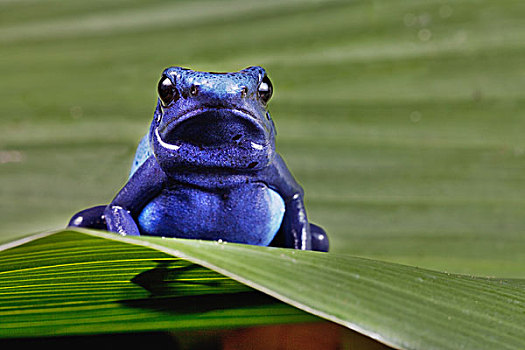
(265, 90)
(167, 91)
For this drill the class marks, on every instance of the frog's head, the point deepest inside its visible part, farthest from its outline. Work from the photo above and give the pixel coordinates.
(213, 120)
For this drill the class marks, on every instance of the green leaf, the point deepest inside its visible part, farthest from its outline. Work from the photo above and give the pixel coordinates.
(70, 283)
(401, 306)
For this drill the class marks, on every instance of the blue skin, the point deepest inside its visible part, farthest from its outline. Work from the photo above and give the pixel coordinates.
(208, 169)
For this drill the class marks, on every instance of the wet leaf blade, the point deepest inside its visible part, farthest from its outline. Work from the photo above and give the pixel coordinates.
(399, 305)
(69, 283)
(77, 282)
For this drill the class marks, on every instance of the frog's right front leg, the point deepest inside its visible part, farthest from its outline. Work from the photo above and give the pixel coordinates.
(144, 185)
(119, 220)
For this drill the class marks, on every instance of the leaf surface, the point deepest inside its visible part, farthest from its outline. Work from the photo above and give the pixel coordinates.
(401, 306)
(70, 283)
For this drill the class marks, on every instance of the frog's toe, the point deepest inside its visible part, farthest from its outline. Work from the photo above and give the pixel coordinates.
(319, 239)
(90, 218)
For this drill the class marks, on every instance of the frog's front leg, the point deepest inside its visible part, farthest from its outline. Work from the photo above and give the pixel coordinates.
(295, 232)
(144, 185)
(295, 224)
(121, 221)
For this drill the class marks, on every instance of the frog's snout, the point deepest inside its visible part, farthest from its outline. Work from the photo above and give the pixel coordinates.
(217, 127)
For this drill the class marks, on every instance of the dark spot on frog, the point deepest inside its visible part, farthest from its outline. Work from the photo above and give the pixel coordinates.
(194, 90)
(252, 165)
(244, 91)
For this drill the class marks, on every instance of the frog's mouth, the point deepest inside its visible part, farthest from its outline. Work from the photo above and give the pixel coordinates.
(215, 128)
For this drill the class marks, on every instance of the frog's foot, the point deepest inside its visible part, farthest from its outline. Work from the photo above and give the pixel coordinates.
(319, 239)
(90, 218)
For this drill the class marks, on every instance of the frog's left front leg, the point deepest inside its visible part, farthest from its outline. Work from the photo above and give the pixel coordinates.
(144, 185)
(295, 232)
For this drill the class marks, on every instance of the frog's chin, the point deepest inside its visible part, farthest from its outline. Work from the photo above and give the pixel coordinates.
(215, 128)
(214, 137)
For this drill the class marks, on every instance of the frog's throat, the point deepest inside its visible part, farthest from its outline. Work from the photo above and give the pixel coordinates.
(214, 128)
(187, 156)
(210, 141)
(173, 147)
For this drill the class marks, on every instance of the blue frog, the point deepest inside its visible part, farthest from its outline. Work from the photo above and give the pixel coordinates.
(208, 169)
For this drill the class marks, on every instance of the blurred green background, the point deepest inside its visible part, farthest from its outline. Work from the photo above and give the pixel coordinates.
(403, 120)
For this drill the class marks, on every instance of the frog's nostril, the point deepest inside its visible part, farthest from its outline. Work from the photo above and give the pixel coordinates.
(236, 137)
(194, 90)
(244, 91)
